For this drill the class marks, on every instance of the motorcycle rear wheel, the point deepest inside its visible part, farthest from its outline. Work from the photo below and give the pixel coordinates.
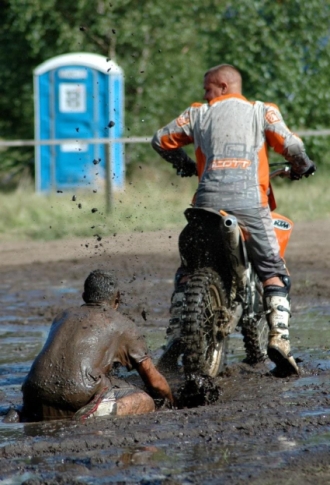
(204, 348)
(255, 332)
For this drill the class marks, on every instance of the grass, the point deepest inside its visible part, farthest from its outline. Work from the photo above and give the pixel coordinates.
(306, 199)
(153, 199)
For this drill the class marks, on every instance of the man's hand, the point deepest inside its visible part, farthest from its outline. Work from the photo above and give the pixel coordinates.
(154, 380)
(164, 403)
(188, 169)
(310, 171)
(297, 176)
(184, 165)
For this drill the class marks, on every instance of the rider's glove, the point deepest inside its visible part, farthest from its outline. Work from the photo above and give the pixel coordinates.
(187, 169)
(310, 171)
(297, 176)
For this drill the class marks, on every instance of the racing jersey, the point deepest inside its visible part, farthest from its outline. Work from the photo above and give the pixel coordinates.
(230, 136)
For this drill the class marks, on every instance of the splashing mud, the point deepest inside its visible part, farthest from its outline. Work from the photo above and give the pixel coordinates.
(198, 391)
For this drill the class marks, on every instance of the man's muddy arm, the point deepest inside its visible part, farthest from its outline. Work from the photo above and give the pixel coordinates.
(154, 380)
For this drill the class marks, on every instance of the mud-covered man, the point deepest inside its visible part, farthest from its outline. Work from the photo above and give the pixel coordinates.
(71, 377)
(231, 135)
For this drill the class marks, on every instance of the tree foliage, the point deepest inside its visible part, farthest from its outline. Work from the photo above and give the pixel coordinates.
(281, 46)
(282, 49)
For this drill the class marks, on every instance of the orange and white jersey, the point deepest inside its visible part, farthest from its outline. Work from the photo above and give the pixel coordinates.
(231, 135)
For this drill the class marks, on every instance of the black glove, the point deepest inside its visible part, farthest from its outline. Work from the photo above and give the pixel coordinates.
(188, 169)
(310, 171)
(297, 176)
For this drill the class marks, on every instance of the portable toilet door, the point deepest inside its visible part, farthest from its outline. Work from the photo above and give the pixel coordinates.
(76, 97)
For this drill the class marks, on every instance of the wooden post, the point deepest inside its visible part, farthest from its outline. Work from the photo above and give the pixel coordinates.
(109, 175)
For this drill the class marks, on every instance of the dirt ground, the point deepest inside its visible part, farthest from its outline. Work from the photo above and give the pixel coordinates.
(262, 429)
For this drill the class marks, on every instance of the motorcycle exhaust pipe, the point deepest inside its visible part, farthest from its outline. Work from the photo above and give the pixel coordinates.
(232, 231)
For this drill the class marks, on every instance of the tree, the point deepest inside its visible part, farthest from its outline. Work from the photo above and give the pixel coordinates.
(282, 49)
(281, 46)
(153, 42)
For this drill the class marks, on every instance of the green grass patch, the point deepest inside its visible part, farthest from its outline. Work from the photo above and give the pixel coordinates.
(306, 199)
(154, 198)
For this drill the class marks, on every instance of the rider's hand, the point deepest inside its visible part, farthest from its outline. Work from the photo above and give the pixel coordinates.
(310, 171)
(297, 176)
(187, 170)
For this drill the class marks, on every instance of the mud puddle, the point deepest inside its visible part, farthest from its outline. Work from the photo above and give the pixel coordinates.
(259, 426)
(171, 458)
(22, 337)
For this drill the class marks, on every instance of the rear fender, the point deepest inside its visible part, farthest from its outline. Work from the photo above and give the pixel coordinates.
(195, 213)
(202, 243)
(213, 239)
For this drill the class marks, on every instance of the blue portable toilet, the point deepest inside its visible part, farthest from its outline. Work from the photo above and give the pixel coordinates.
(77, 97)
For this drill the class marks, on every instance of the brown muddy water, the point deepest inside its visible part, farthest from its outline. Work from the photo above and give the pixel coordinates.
(262, 429)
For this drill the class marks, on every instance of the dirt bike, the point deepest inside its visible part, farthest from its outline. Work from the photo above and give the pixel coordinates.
(221, 291)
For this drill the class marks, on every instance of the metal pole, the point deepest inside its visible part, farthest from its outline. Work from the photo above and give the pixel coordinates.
(30, 143)
(109, 175)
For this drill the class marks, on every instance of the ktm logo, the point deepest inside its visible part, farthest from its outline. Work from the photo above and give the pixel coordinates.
(280, 224)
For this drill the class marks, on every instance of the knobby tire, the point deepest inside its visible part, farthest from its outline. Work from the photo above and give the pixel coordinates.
(204, 349)
(255, 331)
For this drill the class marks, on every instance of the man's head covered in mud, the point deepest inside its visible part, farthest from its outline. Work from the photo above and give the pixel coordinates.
(101, 287)
(221, 80)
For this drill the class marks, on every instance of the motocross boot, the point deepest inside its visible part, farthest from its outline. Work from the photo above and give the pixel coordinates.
(277, 305)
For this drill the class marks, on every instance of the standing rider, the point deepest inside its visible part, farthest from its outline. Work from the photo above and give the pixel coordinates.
(230, 135)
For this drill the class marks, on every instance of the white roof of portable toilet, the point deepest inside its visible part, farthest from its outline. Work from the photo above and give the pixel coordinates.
(94, 61)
